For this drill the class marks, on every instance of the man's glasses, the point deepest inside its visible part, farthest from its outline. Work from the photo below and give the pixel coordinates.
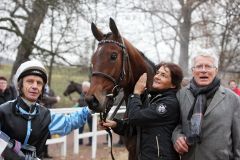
(205, 67)
(3, 82)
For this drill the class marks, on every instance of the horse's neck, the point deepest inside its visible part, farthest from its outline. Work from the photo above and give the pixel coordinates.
(139, 68)
(138, 65)
(79, 89)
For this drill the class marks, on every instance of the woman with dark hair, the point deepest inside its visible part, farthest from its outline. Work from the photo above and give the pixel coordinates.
(153, 115)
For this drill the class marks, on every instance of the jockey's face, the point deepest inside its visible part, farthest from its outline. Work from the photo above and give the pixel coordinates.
(32, 87)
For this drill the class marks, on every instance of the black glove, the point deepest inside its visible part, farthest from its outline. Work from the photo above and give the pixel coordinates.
(9, 154)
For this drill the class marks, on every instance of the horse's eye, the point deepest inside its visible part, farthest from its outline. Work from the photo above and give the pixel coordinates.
(114, 56)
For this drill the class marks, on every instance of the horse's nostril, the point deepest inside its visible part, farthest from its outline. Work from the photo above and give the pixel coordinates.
(92, 102)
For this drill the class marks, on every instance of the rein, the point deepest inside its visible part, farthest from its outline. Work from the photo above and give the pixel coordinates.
(109, 129)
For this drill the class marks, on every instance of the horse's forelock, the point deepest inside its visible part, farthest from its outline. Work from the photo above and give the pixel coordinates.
(107, 35)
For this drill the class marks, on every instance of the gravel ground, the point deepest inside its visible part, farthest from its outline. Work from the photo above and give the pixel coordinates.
(103, 151)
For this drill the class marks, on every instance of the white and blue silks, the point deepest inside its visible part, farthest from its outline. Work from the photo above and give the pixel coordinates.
(63, 124)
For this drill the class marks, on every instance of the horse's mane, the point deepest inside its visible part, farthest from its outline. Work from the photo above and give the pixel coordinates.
(152, 64)
(107, 35)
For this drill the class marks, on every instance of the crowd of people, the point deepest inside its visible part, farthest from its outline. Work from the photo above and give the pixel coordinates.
(194, 119)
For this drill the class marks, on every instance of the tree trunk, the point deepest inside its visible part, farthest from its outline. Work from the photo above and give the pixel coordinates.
(35, 18)
(185, 28)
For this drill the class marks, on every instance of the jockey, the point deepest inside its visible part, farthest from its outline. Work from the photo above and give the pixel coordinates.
(27, 122)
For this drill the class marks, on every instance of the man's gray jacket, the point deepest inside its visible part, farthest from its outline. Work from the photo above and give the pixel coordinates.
(220, 136)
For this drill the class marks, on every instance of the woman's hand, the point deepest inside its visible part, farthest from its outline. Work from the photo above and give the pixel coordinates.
(107, 124)
(141, 84)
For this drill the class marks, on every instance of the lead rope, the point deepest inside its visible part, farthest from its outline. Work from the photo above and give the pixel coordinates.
(108, 130)
(110, 135)
(104, 116)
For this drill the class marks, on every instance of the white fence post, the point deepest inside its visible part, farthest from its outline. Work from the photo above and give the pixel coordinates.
(94, 136)
(62, 140)
(76, 141)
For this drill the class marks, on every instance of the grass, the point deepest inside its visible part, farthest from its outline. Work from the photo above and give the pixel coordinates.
(60, 79)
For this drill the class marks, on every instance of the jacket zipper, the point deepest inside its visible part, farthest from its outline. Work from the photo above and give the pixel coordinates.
(158, 149)
(159, 95)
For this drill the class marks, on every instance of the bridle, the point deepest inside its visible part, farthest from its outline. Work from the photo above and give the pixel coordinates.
(116, 89)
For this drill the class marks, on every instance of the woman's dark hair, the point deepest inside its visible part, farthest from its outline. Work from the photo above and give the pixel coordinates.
(176, 73)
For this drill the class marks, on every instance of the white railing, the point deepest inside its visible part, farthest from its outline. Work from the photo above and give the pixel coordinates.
(94, 133)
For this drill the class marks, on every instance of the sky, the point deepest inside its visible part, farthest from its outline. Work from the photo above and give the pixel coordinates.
(133, 25)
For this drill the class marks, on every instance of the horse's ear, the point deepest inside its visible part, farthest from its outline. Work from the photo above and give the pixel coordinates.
(114, 28)
(96, 32)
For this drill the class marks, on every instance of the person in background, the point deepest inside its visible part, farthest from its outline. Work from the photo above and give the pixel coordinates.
(234, 87)
(154, 115)
(48, 100)
(27, 122)
(82, 103)
(7, 92)
(210, 115)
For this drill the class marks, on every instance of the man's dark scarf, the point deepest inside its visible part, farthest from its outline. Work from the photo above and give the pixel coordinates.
(201, 95)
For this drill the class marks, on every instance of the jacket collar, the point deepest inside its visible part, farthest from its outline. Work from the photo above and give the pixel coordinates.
(161, 94)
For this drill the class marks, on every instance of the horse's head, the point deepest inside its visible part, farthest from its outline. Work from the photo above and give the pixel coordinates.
(109, 68)
(112, 69)
(72, 87)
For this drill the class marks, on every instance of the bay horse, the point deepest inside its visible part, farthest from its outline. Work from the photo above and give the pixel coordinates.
(116, 64)
(72, 87)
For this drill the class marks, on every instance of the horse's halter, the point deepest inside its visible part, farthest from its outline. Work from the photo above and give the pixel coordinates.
(117, 87)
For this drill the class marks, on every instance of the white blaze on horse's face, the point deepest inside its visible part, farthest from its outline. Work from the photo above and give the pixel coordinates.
(96, 95)
(101, 100)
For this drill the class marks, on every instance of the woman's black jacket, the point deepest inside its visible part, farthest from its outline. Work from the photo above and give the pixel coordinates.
(153, 117)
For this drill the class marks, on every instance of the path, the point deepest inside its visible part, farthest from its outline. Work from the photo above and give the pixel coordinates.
(103, 151)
